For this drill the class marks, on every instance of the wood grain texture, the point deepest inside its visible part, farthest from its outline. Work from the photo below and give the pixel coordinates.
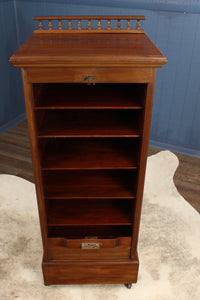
(94, 50)
(89, 17)
(91, 231)
(91, 153)
(148, 101)
(85, 272)
(122, 242)
(89, 212)
(32, 126)
(15, 159)
(92, 123)
(15, 154)
(90, 184)
(87, 31)
(118, 248)
(98, 75)
(82, 96)
(90, 198)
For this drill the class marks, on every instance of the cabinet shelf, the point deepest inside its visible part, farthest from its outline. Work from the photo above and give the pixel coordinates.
(93, 153)
(90, 184)
(92, 123)
(89, 212)
(100, 96)
(88, 231)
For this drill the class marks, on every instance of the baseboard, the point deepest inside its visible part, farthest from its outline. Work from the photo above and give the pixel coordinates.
(174, 148)
(12, 122)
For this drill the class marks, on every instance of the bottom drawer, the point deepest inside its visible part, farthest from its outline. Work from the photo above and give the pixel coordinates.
(88, 272)
(88, 248)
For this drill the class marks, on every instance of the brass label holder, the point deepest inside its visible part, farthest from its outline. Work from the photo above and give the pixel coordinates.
(90, 245)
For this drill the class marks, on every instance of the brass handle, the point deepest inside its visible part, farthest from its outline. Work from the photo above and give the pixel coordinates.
(89, 78)
(90, 245)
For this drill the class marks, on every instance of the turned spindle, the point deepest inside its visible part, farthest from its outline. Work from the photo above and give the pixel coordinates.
(89, 24)
(70, 24)
(50, 25)
(118, 24)
(108, 25)
(40, 24)
(59, 24)
(99, 24)
(138, 24)
(79, 24)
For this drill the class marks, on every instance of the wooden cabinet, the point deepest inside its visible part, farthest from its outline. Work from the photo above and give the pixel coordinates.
(89, 95)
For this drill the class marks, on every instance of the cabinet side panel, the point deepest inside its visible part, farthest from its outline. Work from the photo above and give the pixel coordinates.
(148, 104)
(28, 93)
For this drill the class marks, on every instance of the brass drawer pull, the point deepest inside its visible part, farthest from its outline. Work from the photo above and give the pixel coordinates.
(90, 245)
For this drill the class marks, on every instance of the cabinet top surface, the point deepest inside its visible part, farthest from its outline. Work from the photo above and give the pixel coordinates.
(91, 50)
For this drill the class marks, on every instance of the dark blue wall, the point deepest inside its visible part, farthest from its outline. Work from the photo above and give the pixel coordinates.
(173, 26)
(11, 97)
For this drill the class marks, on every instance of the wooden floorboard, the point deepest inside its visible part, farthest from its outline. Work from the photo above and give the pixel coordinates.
(15, 155)
(186, 177)
(15, 159)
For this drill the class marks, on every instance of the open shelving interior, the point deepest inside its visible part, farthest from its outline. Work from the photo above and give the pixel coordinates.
(90, 153)
(88, 123)
(89, 184)
(89, 141)
(78, 212)
(88, 231)
(82, 96)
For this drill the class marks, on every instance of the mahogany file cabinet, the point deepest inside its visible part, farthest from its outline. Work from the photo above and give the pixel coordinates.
(88, 85)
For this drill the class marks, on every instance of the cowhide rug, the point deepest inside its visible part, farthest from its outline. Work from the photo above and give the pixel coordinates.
(169, 244)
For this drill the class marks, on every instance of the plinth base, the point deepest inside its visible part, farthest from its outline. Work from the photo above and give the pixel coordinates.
(90, 272)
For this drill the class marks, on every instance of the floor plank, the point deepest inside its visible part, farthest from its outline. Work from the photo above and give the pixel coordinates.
(15, 159)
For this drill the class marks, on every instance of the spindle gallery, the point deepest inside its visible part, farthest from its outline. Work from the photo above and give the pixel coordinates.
(97, 26)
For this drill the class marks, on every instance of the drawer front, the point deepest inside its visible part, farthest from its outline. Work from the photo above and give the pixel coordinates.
(90, 75)
(88, 272)
(60, 248)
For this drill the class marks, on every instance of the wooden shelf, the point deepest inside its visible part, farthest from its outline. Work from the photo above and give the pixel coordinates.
(90, 184)
(89, 212)
(76, 96)
(93, 153)
(88, 231)
(92, 123)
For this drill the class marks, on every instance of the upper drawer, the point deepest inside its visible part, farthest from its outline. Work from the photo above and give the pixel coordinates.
(90, 75)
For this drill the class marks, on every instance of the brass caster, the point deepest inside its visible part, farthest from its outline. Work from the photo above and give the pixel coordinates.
(128, 285)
